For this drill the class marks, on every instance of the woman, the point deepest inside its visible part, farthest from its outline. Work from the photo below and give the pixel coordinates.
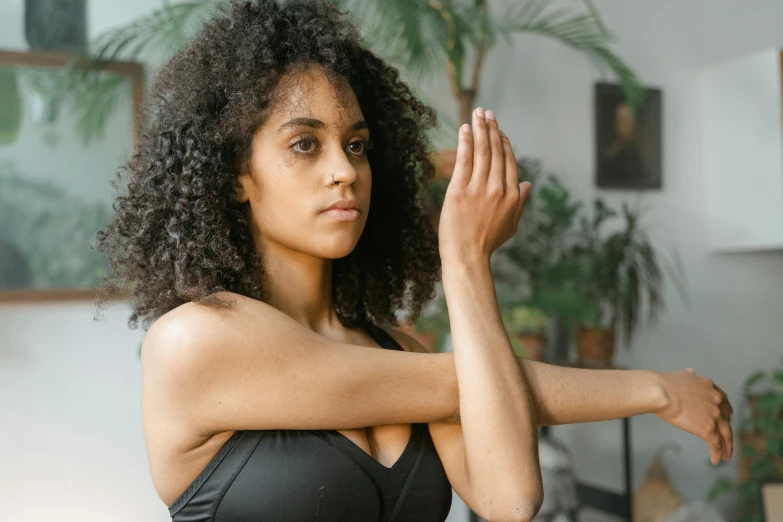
(272, 231)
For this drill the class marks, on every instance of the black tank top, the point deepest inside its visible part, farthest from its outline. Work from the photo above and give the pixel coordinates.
(317, 475)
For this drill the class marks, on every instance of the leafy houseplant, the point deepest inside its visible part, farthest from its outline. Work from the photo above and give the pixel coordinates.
(761, 444)
(621, 273)
(535, 266)
(457, 36)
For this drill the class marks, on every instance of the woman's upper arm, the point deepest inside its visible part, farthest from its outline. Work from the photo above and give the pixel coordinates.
(252, 367)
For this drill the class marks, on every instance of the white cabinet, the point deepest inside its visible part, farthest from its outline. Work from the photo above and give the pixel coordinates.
(742, 152)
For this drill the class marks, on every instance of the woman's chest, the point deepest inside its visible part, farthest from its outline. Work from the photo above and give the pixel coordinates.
(318, 475)
(383, 443)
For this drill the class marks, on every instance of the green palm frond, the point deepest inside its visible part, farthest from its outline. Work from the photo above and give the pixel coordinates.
(582, 32)
(101, 94)
(418, 36)
(164, 30)
(407, 33)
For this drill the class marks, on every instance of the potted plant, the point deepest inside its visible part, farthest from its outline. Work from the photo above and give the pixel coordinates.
(760, 441)
(527, 326)
(622, 274)
(535, 267)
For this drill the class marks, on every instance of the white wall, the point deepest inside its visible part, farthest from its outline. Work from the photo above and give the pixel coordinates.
(72, 445)
(543, 95)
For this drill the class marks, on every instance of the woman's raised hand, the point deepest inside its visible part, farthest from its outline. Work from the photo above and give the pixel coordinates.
(484, 199)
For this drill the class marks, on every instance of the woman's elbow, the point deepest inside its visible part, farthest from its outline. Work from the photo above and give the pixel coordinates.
(521, 510)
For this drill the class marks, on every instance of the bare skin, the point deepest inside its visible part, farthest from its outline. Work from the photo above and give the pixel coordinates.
(290, 364)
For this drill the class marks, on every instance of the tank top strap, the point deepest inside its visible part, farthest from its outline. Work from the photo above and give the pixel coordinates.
(380, 336)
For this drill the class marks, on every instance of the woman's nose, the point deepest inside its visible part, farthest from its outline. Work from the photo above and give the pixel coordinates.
(342, 171)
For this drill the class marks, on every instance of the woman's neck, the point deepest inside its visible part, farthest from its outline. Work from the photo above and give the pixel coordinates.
(300, 286)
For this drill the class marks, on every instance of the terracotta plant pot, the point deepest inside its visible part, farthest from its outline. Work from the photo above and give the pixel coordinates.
(533, 346)
(595, 347)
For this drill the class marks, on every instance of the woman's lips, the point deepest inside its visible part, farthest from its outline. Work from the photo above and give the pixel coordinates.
(342, 214)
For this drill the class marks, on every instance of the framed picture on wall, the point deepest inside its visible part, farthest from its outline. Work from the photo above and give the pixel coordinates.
(627, 141)
(56, 187)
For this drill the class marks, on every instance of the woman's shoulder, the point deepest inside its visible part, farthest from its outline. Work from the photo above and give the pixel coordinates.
(195, 335)
(199, 317)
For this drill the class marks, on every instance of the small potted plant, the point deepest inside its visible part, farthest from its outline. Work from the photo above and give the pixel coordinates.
(622, 274)
(760, 441)
(527, 328)
(536, 267)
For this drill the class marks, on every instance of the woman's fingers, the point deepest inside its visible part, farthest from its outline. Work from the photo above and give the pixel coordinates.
(497, 169)
(482, 153)
(524, 191)
(512, 175)
(716, 452)
(728, 437)
(724, 424)
(463, 166)
(512, 178)
(725, 403)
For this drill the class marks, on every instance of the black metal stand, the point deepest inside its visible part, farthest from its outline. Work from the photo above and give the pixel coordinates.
(617, 504)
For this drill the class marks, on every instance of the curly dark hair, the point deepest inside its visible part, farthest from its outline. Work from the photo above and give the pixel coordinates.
(178, 235)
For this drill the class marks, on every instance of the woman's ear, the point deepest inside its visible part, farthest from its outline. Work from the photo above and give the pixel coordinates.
(241, 192)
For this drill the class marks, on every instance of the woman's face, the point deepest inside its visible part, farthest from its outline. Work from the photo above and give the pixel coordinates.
(316, 134)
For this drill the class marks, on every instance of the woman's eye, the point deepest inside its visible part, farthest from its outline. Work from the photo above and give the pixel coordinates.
(363, 146)
(357, 147)
(304, 146)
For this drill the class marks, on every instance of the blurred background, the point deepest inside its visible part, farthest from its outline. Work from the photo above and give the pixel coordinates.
(653, 134)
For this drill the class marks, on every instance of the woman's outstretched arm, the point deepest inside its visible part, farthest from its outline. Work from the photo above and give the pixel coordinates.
(572, 395)
(687, 401)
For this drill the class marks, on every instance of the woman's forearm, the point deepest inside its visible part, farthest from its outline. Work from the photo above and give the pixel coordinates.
(571, 395)
(497, 411)
(563, 395)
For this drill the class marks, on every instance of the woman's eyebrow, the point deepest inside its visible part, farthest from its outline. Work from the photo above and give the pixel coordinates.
(316, 124)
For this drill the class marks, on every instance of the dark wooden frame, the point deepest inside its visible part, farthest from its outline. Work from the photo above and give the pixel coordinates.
(135, 71)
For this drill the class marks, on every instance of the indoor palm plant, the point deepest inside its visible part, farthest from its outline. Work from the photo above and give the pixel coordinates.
(535, 266)
(422, 36)
(621, 276)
